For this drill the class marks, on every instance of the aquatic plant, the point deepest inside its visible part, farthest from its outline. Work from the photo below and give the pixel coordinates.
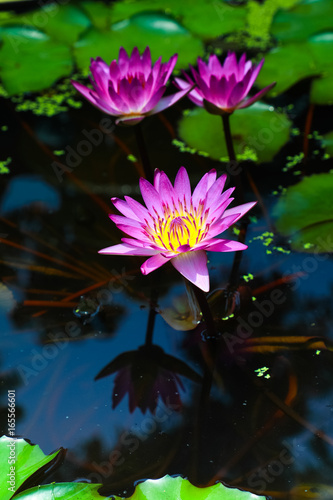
(178, 226)
(131, 88)
(223, 88)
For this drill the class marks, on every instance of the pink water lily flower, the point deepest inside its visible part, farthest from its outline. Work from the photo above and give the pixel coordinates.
(178, 226)
(223, 88)
(131, 88)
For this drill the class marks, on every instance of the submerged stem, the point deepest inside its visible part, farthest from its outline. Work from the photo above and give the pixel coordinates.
(152, 308)
(149, 173)
(232, 158)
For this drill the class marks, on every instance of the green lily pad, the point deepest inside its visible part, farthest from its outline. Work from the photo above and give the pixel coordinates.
(286, 66)
(291, 63)
(181, 489)
(30, 60)
(61, 22)
(304, 214)
(303, 20)
(258, 132)
(164, 36)
(62, 491)
(98, 12)
(206, 19)
(66, 23)
(22, 460)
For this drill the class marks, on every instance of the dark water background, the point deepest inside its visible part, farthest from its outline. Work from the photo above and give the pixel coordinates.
(270, 435)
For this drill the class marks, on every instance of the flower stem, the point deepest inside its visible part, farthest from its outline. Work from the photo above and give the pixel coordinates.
(232, 157)
(205, 309)
(234, 274)
(149, 173)
(152, 307)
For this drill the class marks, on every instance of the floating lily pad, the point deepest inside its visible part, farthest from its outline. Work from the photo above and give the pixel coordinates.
(62, 491)
(66, 23)
(181, 489)
(206, 19)
(258, 132)
(304, 214)
(291, 63)
(61, 22)
(303, 20)
(164, 36)
(30, 60)
(98, 12)
(26, 459)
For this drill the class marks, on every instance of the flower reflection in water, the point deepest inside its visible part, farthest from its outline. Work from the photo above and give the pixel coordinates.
(147, 375)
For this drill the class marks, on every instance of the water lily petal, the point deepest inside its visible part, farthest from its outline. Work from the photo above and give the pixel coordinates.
(153, 263)
(259, 95)
(183, 186)
(126, 249)
(141, 213)
(151, 197)
(240, 209)
(168, 101)
(225, 246)
(193, 266)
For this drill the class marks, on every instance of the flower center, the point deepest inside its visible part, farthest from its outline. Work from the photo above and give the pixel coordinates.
(178, 228)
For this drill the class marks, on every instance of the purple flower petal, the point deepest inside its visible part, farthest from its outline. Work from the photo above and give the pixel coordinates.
(117, 102)
(225, 246)
(119, 219)
(153, 101)
(170, 66)
(151, 197)
(123, 61)
(199, 193)
(146, 62)
(115, 73)
(214, 66)
(153, 263)
(240, 209)
(259, 95)
(236, 95)
(183, 186)
(125, 208)
(168, 101)
(126, 249)
(85, 91)
(193, 266)
(141, 212)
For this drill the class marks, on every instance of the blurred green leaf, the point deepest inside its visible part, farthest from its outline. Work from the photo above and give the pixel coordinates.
(304, 214)
(291, 63)
(164, 36)
(303, 20)
(258, 132)
(30, 60)
(205, 18)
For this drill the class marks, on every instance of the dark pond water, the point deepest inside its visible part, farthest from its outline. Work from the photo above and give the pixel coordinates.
(265, 424)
